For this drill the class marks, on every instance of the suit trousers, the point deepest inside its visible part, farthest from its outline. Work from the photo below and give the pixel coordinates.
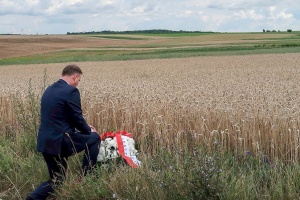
(57, 164)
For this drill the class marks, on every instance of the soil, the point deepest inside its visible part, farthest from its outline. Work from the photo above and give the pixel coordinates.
(26, 45)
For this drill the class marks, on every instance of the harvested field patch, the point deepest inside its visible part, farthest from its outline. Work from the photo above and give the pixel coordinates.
(19, 45)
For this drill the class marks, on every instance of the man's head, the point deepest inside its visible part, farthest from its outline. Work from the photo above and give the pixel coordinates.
(72, 74)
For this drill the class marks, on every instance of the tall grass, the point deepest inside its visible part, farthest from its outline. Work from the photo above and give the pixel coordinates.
(205, 129)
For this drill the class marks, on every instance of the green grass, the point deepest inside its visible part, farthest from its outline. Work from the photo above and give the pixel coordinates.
(148, 53)
(118, 37)
(180, 174)
(187, 34)
(177, 34)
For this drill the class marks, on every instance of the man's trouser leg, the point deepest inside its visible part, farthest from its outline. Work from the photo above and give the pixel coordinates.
(87, 143)
(57, 166)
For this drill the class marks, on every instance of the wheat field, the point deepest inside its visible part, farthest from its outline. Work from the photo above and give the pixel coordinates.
(241, 104)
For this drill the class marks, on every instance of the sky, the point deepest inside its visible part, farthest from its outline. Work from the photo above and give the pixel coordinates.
(62, 16)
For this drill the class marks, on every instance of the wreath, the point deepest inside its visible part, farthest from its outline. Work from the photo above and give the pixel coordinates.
(118, 144)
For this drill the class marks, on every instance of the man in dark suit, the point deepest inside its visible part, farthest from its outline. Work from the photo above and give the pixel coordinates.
(63, 131)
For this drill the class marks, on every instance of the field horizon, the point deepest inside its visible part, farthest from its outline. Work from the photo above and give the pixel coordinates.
(104, 47)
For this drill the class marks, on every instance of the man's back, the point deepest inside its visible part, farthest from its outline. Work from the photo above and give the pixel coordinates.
(61, 116)
(60, 113)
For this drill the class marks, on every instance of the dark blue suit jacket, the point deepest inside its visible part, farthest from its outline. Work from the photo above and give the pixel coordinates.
(60, 113)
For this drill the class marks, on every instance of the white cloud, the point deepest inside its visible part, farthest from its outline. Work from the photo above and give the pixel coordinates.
(61, 16)
(249, 14)
(279, 13)
(285, 15)
(272, 8)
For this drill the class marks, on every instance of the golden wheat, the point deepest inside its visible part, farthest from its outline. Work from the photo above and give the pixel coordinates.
(231, 103)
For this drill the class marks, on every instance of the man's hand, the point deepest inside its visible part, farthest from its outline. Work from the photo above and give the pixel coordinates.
(93, 129)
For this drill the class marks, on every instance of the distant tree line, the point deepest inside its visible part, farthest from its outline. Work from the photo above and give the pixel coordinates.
(152, 31)
(9, 34)
(288, 30)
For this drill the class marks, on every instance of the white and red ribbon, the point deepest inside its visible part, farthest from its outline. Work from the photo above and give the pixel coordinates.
(123, 146)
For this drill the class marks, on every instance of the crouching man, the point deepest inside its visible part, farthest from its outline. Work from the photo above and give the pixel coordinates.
(63, 131)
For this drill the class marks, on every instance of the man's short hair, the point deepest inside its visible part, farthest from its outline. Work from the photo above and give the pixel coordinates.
(70, 70)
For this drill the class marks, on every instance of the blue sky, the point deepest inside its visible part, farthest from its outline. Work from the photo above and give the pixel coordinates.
(62, 16)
